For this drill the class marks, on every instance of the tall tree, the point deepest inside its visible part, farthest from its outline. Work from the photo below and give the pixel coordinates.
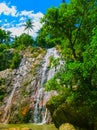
(73, 26)
(29, 25)
(2, 36)
(23, 40)
(8, 37)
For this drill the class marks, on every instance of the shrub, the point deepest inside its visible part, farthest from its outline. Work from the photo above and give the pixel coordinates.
(15, 61)
(23, 41)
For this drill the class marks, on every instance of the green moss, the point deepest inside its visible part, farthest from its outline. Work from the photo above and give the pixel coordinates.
(2, 89)
(9, 59)
(80, 115)
(2, 81)
(23, 88)
(15, 61)
(31, 49)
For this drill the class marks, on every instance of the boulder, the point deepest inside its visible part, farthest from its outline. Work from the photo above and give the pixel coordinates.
(66, 126)
(78, 114)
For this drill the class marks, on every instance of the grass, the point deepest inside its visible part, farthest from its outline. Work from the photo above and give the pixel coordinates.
(26, 127)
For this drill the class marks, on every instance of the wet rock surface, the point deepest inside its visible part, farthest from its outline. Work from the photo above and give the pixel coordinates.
(25, 98)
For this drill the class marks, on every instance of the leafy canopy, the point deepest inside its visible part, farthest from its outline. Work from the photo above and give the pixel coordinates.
(23, 40)
(73, 27)
(29, 25)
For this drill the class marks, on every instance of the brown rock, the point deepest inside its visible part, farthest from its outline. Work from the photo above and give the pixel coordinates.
(25, 128)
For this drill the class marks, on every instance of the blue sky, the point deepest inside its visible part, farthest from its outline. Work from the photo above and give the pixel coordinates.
(14, 13)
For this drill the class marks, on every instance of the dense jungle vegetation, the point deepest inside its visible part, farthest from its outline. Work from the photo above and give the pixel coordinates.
(72, 27)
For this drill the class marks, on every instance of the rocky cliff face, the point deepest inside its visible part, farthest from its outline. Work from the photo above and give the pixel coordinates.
(24, 98)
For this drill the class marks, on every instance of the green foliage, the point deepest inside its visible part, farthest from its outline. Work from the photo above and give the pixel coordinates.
(15, 60)
(2, 89)
(59, 99)
(74, 108)
(40, 39)
(2, 36)
(3, 47)
(2, 93)
(9, 59)
(75, 25)
(53, 62)
(29, 25)
(22, 41)
(5, 36)
(68, 24)
(90, 56)
(5, 58)
(23, 114)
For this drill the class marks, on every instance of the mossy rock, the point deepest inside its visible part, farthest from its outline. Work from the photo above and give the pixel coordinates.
(67, 126)
(78, 115)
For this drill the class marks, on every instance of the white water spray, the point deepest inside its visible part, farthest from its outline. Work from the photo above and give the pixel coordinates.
(40, 112)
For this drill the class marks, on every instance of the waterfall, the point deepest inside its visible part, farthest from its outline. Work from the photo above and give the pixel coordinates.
(30, 78)
(8, 106)
(40, 110)
(45, 117)
(20, 72)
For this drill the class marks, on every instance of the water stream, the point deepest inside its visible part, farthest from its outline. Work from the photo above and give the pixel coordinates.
(20, 72)
(40, 112)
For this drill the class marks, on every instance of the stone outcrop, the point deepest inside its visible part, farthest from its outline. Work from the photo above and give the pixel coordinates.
(68, 111)
(18, 85)
(24, 97)
(67, 126)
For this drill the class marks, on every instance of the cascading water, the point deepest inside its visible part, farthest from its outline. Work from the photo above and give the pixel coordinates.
(26, 91)
(8, 106)
(40, 111)
(15, 84)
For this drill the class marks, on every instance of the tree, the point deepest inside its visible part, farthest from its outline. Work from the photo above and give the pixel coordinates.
(23, 40)
(41, 39)
(73, 27)
(8, 36)
(2, 36)
(5, 36)
(29, 25)
(68, 22)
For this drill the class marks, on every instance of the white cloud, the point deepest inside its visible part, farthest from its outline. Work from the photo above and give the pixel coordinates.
(37, 15)
(22, 19)
(6, 25)
(31, 14)
(17, 31)
(7, 10)
(20, 24)
(16, 26)
(37, 25)
(19, 28)
(26, 13)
